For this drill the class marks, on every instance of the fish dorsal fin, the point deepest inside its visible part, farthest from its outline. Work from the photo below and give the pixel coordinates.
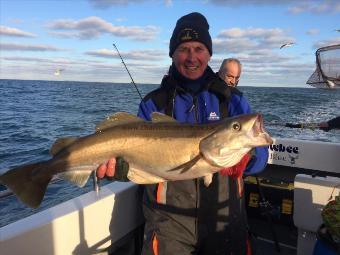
(117, 119)
(61, 144)
(160, 117)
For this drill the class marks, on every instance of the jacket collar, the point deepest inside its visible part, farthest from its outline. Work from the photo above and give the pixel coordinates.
(174, 80)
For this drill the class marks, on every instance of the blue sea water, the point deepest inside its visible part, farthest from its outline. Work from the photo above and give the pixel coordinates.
(33, 114)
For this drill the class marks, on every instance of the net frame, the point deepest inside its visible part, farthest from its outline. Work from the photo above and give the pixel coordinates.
(320, 78)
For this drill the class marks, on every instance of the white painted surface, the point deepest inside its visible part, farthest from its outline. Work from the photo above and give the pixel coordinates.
(84, 225)
(310, 196)
(323, 156)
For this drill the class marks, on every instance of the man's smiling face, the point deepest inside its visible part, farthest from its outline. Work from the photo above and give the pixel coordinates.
(191, 59)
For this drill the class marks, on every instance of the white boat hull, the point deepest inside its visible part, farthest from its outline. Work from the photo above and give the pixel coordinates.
(88, 224)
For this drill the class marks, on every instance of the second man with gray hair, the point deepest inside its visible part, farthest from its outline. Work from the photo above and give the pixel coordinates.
(230, 71)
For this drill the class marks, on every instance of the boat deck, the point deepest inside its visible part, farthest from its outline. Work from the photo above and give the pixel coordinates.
(264, 244)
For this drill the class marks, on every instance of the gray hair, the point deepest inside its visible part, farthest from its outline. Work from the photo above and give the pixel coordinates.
(228, 60)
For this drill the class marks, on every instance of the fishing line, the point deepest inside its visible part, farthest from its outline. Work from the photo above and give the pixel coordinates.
(133, 82)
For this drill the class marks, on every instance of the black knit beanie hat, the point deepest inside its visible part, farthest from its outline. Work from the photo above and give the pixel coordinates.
(191, 27)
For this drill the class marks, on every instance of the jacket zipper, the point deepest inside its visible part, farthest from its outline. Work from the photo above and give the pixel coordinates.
(195, 106)
(197, 181)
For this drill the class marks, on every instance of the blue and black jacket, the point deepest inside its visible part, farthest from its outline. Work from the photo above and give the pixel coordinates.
(334, 123)
(186, 212)
(213, 102)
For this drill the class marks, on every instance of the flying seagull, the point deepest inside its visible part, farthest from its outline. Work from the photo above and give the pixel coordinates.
(286, 45)
(337, 30)
(58, 71)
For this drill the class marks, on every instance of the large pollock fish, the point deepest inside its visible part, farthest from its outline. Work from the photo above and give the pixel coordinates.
(157, 151)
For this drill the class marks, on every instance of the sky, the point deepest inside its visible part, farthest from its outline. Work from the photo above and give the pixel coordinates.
(38, 37)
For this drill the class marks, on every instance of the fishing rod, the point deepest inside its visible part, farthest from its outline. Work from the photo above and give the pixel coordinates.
(311, 126)
(297, 125)
(133, 82)
(96, 181)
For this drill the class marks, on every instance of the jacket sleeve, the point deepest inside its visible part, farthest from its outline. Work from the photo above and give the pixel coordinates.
(146, 107)
(334, 123)
(239, 105)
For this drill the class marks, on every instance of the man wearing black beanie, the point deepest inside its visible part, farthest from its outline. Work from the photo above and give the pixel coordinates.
(187, 217)
(191, 27)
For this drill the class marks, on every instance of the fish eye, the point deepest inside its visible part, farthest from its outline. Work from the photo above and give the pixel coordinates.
(236, 126)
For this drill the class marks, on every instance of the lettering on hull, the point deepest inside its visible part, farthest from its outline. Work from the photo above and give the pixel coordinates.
(281, 152)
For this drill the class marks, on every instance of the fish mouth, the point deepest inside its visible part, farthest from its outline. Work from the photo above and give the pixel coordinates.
(258, 125)
(259, 132)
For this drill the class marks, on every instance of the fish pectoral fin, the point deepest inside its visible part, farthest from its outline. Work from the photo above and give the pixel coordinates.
(78, 178)
(160, 117)
(61, 144)
(219, 155)
(186, 166)
(207, 179)
(117, 119)
(141, 177)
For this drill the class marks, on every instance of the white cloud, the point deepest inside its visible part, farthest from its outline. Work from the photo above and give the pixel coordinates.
(14, 32)
(316, 7)
(81, 70)
(236, 40)
(54, 61)
(93, 27)
(250, 2)
(27, 47)
(325, 43)
(168, 3)
(262, 60)
(293, 6)
(103, 4)
(223, 46)
(120, 19)
(268, 68)
(313, 31)
(141, 55)
(108, 3)
(64, 34)
(251, 32)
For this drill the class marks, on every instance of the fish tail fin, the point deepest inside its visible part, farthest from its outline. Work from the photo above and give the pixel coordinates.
(30, 191)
